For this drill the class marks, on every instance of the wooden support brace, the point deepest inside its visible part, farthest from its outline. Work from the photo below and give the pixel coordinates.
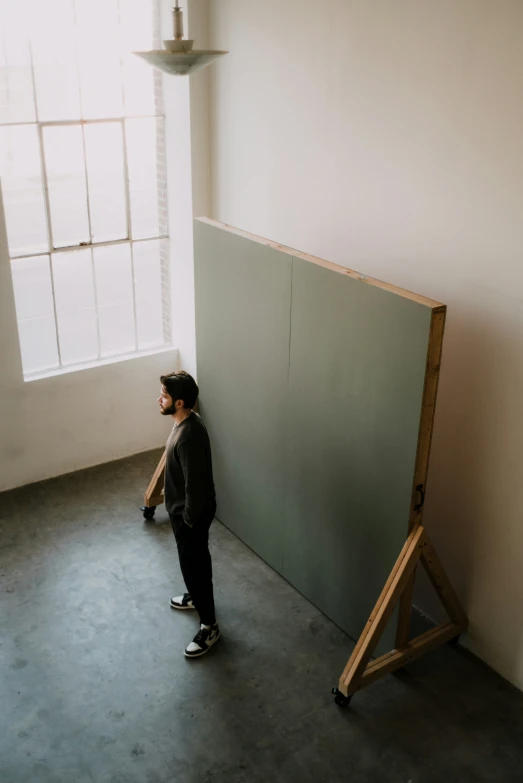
(414, 649)
(430, 388)
(442, 585)
(359, 672)
(405, 612)
(382, 611)
(154, 492)
(361, 641)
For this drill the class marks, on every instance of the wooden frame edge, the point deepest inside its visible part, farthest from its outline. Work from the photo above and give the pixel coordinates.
(422, 300)
(426, 426)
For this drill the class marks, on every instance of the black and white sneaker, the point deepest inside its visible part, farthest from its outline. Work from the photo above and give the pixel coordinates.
(203, 641)
(182, 602)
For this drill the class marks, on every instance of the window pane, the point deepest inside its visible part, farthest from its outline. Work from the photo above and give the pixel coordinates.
(139, 86)
(55, 60)
(137, 35)
(16, 84)
(143, 180)
(100, 75)
(137, 21)
(75, 306)
(105, 175)
(64, 158)
(32, 286)
(38, 344)
(114, 293)
(23, 190)
(56, 79)
(35, 313)
(148, 293)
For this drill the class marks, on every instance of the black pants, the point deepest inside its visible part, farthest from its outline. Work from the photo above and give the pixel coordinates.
(195, 563)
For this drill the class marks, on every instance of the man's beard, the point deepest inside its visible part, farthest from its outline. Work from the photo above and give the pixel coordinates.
(168, 411)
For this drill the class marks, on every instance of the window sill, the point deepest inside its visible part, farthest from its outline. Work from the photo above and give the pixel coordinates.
(98, 363)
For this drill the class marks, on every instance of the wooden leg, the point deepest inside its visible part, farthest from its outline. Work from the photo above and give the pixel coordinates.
(374, 613)
(399, 577)
(405, 612)
(154, 492)
(417, 647)
(442, 585)
(359, 672)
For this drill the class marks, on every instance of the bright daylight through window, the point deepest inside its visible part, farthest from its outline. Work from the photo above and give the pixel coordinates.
(82, 167)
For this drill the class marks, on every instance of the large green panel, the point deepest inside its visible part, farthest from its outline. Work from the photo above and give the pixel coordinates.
(311, 387)
(357, 368)
(243, 292)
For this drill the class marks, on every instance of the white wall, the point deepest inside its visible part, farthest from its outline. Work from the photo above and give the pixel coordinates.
(387, 137)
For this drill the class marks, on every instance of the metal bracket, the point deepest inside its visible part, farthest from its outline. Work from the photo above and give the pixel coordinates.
(420, 488)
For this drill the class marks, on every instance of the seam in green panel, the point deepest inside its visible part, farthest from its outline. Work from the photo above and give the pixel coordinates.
(287, 427)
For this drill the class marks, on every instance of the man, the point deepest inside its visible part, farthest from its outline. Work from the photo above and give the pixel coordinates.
(190, 500)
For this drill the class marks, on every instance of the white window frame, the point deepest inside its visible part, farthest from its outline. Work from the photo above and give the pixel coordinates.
(163, 235)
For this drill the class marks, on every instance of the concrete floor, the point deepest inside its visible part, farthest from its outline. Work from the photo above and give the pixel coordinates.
(95, 687)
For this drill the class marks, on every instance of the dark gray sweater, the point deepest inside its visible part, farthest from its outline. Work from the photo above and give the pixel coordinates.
(189, 485)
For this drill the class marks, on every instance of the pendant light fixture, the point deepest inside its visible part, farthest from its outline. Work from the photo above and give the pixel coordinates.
(179, 57)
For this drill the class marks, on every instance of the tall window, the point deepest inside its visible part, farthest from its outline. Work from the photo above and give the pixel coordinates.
(82, 167)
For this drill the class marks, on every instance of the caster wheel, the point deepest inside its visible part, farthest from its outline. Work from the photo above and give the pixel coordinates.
(148, 511)
(399, 672)
(454, 642)
(340, 699)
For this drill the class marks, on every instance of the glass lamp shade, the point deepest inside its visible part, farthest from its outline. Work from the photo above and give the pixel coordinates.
(180, 63)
